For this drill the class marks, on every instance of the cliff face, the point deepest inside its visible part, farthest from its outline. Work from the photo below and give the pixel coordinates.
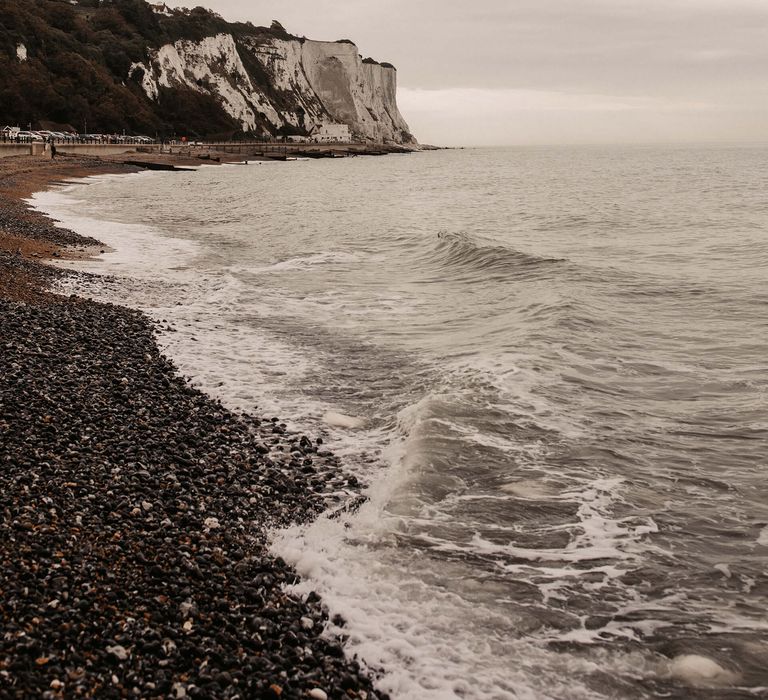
(109, 67)
(267, 84)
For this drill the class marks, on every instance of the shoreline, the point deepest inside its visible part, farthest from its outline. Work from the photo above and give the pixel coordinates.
(133, 537)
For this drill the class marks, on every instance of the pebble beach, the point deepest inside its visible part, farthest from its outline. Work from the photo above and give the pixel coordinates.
(134, 508)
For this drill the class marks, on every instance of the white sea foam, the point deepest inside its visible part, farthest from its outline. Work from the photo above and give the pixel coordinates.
(701, 672)
(724, 569)
(762, 538)
(595, 536)
(305, 261)
(519, 391)
(135, 249)
(339, 420)
(530, 489)
(431, 644)
(359, 570)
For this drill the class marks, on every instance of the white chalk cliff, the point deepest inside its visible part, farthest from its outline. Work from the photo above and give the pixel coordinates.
(266, 83)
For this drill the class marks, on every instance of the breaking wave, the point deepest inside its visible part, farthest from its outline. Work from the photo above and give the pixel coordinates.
(470, 255)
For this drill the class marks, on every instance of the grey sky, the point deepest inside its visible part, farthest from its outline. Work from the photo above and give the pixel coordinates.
(554, 71)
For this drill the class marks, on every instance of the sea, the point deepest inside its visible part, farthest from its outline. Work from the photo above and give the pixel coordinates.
(549, 366)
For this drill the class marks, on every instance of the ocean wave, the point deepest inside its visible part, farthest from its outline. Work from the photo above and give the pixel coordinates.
(303, 262)
(461, 251)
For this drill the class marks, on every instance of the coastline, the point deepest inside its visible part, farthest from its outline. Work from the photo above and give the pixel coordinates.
(133, 542)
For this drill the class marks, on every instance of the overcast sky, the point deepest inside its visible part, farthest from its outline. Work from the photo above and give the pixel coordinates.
(493, 72)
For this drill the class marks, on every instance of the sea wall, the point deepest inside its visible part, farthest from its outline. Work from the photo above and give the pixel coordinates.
(15, 149)
(98, 149)
(83, 149)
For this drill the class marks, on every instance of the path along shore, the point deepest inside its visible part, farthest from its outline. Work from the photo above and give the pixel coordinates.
(133, 508)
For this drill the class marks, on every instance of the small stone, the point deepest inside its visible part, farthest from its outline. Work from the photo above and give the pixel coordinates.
(348, 683)
(146, 505)
(307, 623)
(211, 523)
(318, 694)
(118, 652)
(56, 684)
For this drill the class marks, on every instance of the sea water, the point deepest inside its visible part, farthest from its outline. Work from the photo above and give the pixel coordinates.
(555, 362)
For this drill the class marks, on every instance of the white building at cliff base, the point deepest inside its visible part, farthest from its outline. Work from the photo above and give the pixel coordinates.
(328, 132)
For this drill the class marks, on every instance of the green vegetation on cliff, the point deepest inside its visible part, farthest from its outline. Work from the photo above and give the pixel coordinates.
(78, 59)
